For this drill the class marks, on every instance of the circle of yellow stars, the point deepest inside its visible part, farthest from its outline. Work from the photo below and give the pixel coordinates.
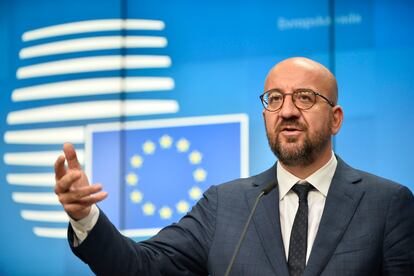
(137, 161)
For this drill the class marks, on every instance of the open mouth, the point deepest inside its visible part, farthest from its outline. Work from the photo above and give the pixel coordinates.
(290, 130)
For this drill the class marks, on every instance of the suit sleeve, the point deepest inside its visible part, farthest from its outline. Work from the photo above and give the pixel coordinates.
(398, 246)
(179, 249)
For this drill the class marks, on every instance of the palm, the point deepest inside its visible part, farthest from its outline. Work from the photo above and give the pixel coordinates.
(72, 185)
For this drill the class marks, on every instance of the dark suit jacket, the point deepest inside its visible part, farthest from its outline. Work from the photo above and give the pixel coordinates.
(367, 228)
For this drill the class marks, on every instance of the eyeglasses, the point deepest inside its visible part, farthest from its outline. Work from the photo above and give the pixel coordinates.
(303, 99)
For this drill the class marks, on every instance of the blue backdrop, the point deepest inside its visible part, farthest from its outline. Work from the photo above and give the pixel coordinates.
(178, 81)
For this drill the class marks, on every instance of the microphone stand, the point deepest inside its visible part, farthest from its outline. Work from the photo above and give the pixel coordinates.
(264, 192)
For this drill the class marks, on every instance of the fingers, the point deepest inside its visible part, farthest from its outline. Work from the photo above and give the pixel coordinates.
(94, 198)
(82, 196)
(71, 157)
(60, 169)
(80, 209)
(64, 183)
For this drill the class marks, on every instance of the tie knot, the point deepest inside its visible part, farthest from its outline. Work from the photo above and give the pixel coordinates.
(302, 190)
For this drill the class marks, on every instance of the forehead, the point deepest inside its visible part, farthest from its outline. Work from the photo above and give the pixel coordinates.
(289, 77)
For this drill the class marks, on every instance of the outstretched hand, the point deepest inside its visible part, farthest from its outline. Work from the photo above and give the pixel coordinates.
(72, 185)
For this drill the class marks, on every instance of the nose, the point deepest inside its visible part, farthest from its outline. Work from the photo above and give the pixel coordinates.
(288, 109)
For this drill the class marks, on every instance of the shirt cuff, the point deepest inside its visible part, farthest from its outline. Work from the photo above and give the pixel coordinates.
(84, 226)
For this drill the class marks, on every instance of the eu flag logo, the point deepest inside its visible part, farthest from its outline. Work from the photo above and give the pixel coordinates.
(155, 171)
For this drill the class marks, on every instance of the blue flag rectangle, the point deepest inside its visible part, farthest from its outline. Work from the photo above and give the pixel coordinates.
(155, 171)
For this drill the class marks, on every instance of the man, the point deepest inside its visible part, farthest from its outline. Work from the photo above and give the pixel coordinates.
(323, 217)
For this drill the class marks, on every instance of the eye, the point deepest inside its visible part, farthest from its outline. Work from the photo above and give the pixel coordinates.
(305, 96)
(274, 97)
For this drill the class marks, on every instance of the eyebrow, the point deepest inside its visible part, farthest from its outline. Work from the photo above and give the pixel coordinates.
(297, 89)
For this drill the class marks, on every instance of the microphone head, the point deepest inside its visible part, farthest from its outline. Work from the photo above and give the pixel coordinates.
(269, 187)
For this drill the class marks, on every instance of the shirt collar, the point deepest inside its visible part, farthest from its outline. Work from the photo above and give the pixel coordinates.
(321, 179)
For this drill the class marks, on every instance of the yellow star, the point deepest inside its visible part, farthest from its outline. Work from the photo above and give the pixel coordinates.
(136, 196)
(199, 175)
(148, 209)
(195, 193)
(183, 145)
(165, 212)
(166, 141)
(136, 161)
(148, 147)
(131, 179)
(182, 206)
(195, 157)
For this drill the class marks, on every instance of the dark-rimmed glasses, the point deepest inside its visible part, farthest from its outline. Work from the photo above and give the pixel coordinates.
(303, 99)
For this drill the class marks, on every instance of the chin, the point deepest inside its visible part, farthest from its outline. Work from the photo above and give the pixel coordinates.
(289, 141)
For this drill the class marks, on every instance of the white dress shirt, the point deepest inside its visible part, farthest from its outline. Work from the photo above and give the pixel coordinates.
(84, 226)
(289, 202)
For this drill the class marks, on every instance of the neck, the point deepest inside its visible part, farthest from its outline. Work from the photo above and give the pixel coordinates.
(303, 172)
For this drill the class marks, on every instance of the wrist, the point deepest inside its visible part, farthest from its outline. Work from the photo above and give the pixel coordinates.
(80, 215)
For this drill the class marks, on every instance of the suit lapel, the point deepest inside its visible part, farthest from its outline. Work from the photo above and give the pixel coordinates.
(267, 222)
(341, 203)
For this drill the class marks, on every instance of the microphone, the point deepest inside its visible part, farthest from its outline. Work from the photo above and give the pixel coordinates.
(269, 187)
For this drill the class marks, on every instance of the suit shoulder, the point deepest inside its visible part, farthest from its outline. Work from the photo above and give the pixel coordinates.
(234, 185)
(243, 184)
(380, 184)
(374, 185)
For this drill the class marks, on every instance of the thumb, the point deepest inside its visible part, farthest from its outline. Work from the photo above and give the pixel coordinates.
(71, 157)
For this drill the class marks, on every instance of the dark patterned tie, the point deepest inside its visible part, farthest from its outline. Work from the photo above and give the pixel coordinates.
(299, 235)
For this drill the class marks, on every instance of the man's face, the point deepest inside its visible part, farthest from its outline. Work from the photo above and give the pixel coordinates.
(298, 137)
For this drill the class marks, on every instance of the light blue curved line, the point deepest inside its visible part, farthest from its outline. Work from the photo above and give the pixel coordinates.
(86, 26)
(92, 86)
(92, 110)
(44, 216)
(35, 198)
(92, 44)
(93, 64)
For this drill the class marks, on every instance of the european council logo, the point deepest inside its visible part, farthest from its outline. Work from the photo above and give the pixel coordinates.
(68, 76)
(166, 165)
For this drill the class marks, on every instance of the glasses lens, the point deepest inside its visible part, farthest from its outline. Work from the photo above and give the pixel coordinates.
(304, 99)
(273, 100)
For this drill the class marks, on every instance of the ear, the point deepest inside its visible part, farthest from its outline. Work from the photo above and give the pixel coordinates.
(337, 118)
